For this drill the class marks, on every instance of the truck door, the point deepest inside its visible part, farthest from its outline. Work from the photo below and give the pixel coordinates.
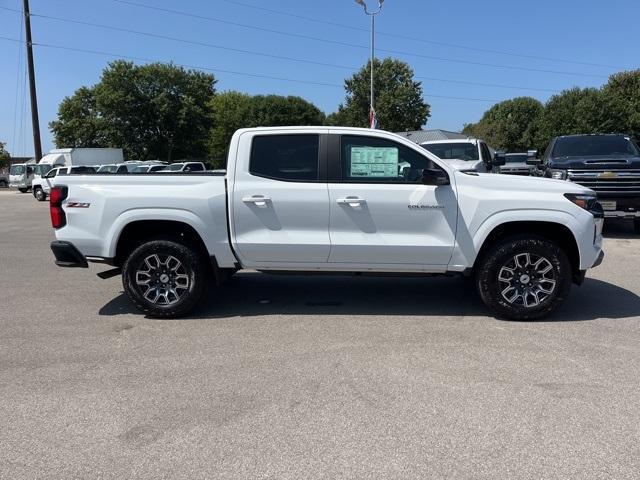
(381, 213)
(280, 202)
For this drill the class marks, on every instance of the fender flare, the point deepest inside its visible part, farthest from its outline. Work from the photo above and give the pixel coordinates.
(150, 214)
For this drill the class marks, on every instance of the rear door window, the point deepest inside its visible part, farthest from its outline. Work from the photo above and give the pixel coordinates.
(289, 158)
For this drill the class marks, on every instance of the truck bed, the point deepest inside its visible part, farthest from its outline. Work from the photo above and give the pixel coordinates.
(100, 206)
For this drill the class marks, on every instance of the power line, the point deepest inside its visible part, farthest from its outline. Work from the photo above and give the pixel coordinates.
(352, 45)
(268, 55)
(219, 70)
(416, 39)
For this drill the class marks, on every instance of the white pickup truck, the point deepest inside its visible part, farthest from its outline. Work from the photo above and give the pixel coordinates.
(342, 200)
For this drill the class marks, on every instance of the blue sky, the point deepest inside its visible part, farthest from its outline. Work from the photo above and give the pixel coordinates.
(569, 30)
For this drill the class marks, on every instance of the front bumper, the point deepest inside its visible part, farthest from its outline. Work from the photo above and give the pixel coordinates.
(599, 260)
(67, 255)
(621, 214)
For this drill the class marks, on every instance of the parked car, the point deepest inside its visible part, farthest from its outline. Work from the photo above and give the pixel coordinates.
(516, 163)
(185, 167)
(120, 168)
(4, 180)
(608, 164)
(48, 181)
(467, 155)
(337, 200)
(149, 168)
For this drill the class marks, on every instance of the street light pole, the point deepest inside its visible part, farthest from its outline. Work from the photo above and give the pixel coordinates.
(37, 146)
(372, 112)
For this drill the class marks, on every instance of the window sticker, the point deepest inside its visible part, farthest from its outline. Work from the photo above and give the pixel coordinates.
(374, 162)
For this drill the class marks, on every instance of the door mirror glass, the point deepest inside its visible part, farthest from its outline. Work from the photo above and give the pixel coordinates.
(434, 176)
(499, 159)
(532, 158)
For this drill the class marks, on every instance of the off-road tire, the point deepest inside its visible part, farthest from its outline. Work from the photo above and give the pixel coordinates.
(23, 190)
(191, 259)
(491, 264)
(38, 194)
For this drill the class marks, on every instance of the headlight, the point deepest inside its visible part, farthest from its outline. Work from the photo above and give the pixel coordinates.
(588, 201)
(558, 174)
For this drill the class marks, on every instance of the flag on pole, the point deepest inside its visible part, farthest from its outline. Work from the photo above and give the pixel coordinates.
(373, 119)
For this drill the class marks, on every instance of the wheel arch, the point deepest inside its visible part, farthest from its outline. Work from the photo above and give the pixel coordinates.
(137, 232)
(559, 233)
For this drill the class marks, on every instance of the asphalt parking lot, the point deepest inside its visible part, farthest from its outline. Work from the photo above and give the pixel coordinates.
(311, 377)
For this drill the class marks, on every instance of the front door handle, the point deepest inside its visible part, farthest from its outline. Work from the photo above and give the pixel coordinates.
(351, 201)
(259, 200)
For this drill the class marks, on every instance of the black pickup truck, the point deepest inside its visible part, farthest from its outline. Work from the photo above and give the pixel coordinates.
(608, 164)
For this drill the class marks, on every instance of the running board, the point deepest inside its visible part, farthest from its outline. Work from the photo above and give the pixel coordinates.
(114, 272)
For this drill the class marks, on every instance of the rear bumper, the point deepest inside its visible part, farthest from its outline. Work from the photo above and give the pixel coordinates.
(67, 255)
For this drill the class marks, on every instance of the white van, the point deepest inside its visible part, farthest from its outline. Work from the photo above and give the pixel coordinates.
(71, 157)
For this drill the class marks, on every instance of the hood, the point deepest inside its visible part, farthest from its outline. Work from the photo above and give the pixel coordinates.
(463, 164)
(616, 162)
(522, 183)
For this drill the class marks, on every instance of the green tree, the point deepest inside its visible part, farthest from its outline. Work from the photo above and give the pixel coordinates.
(398, 98)
(4, 156)
(622, 99)
(578, 110)
(234, 110)
(151, 111)
(509, 125)
(230, 111)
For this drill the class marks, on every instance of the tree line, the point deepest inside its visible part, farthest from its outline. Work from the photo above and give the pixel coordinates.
(163, 111)
(524, 123)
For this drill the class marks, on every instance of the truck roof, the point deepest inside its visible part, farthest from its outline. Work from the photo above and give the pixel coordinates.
(452, 140)
(594, 135)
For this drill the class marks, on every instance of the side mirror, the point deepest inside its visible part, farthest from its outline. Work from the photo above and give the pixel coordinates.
(499, 159)
(532, 158)
(434, 176)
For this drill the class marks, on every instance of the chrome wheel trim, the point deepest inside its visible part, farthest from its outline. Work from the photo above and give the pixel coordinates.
(527, 280)
(162, 279)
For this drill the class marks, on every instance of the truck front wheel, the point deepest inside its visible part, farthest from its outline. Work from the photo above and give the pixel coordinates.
(39, 194)
(524, 278)
(164, 278)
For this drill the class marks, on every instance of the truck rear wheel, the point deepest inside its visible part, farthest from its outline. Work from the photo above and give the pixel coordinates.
(39, 194)
(164, 278)
(524, 278)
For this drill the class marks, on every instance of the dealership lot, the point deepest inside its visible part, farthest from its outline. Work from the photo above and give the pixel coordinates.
(311, 377)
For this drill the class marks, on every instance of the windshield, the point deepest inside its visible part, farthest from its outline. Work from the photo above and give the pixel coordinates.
(108, 169)
(594, 145)
(516, 158)
(454, 151)
(176, 167)
(43, 169)
(16, 170)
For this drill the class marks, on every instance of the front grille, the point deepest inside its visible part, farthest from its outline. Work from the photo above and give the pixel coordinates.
(607, 181)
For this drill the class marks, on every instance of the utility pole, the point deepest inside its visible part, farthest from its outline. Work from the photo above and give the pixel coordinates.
(373, 123)
(37, 145)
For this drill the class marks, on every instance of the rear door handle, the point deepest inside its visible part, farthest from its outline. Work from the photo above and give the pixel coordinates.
(351, 201)
(259, 200)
